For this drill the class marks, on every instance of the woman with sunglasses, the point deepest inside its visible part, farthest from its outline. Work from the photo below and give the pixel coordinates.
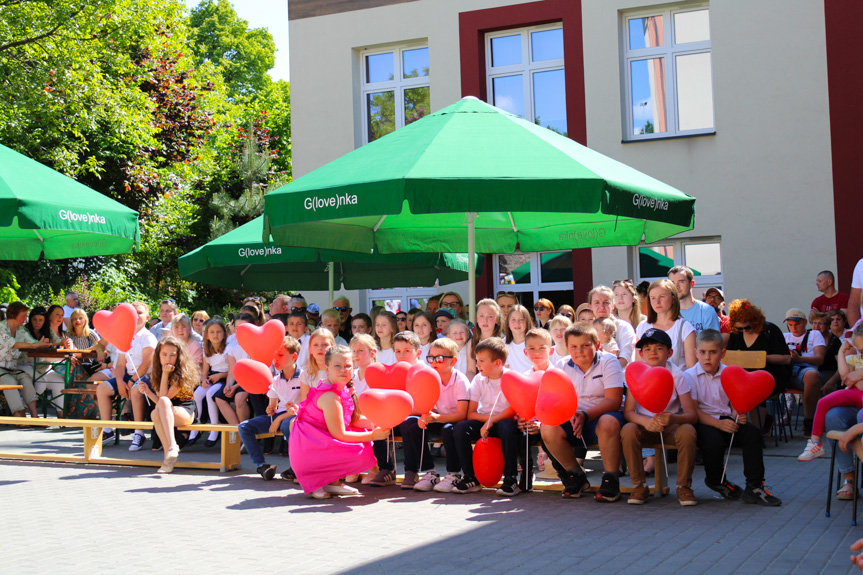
(543, 310)
(199, 318)
(567, 312)
(750, 331)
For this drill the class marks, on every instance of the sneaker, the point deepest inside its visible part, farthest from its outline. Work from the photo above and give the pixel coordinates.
(108, 436)
(639, 495)
(320, 494)
(726, 489)
(466, 485)
(137, 442)
(446, 484)
(428, 481)
(846, 492)
(574, 484)
(267, 471)
(384, 477)
(686, 497)
(609, 489)
(340, 490)
(812, 451)
(288, 474)
(760, 496)
(509, 487)
(410, 480)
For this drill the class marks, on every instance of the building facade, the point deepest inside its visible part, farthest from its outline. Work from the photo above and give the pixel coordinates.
(743, 104)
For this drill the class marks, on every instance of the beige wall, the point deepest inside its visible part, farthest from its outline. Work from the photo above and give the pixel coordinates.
(763, 182)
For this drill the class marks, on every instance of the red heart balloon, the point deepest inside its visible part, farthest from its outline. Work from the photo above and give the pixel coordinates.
(556, 401)
(634, 371)
(380, 376)
(118, 327)
(520, 391)
(488, 461)
(424, 386)
(746, 389)
(653, 388)
(261, 343)
(386, 408)
(253, 376)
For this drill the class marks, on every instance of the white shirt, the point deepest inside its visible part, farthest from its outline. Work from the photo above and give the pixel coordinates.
(707, 391)
(218, 362)
(234, 349)
(857, 280)
(142, 340)
(424, 351)
(67, 311)
(815, 339)
(605, 373)
(313, 379)
(484, 391)
(303, 356)
(461, 363)
(455, 390)
(517, 359)
(286, 390)
(678, 334)
(681, 386)
(387, 356)
(625, 337)
(557, 359)
(360, 384)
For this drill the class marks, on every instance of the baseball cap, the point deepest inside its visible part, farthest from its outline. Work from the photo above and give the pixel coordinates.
(795, 313)
(715, 289)
(654, 335)
(443, 313)
(313, 309)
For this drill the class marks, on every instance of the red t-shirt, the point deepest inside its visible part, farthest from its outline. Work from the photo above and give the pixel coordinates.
(824, 304)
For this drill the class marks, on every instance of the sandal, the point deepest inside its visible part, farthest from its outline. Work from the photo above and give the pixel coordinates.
(846, 492)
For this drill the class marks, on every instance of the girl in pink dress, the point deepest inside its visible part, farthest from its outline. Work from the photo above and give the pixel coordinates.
(329, 439)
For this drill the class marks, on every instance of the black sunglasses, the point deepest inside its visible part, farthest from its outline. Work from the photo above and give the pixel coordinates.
(438, 358)
(340, 308)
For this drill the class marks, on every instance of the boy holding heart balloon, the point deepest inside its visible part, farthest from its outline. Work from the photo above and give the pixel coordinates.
(658, 407)
(719, 425)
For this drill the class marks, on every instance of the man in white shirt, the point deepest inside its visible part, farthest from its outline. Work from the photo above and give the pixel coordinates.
(72, 304)
(808, 350)
(701, 315)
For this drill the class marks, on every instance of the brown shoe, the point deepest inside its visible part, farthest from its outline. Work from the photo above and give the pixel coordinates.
(686, 497)
(639, 495)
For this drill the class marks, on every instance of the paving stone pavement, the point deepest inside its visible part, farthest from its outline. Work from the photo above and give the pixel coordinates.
(67, 518)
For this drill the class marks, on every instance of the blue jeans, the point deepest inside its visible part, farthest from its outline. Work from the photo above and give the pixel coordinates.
(261, 424)
(841, 419)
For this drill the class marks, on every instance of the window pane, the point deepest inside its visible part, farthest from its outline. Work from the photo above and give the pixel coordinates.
(556, 267)
(415, 63)
(416, 104)
(692, 26)
(547, 45)
(558, 298)
(513, 269)
(506, 50)
(549, 100)
(654, 262)
(380, 107)
(703, 259)
(645, 32)
(379, 68)
(694, 92)
(509, 94)
(648, 96)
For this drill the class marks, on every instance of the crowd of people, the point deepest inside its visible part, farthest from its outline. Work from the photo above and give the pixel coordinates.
(180, 368)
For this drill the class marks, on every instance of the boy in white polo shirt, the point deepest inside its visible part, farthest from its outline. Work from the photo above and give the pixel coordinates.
(716, 424)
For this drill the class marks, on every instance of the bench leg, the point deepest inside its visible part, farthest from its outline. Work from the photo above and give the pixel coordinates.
(92, 443)
(230, 451)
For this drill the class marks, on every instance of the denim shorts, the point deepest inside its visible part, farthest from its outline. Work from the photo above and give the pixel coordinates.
(797, 372)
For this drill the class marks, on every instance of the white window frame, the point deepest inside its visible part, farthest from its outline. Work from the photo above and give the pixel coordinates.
(536, 285)
(398, 84)
(527, 67)
(669, 51)
(701, 282)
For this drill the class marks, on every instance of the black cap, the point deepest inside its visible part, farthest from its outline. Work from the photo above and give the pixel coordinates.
(656, 336)
(443, 313)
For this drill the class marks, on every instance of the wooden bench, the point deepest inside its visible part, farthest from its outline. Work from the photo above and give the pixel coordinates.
(92, 428)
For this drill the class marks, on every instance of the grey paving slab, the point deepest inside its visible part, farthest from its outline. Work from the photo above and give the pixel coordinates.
(65, 518)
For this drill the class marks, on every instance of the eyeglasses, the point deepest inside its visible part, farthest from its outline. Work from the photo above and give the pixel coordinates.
(747, 328)
(438, 358)
(450, 304)
(569, 315)
(510, 293)
(198, 320)
(401, 318)
(340, 308)
(539, 308)
(298, 309)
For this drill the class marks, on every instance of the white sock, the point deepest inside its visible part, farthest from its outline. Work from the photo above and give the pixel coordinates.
(140, 432)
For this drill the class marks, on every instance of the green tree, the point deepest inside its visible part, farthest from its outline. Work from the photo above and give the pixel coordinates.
(244, 55)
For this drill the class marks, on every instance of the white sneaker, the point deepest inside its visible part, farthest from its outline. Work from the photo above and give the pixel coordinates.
(340, 490)
(427, 482)
(137, 442)
(812, 451)
(319, 494)
(445, 484)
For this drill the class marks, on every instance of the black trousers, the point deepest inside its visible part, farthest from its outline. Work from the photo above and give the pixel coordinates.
(714, 443)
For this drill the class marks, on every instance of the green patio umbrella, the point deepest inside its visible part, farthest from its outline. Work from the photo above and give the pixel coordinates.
(43, 211)
(240, 260)
(474, 177)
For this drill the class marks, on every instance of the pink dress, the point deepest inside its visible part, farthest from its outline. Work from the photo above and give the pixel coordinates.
(316, 456)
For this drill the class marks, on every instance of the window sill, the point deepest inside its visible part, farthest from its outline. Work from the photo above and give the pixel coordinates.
(663, 138)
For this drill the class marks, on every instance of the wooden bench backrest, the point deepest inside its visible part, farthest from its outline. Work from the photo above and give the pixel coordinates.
(746, 359)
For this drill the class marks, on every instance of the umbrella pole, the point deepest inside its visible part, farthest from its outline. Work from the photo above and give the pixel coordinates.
(331, 280)
(471, 266)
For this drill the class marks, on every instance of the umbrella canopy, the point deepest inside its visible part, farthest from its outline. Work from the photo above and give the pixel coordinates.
(43, 211)
(240, 260)
(531, 189)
